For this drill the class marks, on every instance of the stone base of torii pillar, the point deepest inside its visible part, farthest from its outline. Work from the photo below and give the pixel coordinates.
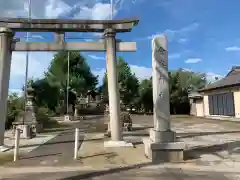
(161, 146)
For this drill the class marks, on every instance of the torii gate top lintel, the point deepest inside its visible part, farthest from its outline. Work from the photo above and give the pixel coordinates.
(67, 25)
(110, 45)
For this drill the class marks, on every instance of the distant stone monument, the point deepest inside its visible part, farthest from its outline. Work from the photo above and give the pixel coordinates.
(69, 115)
(161, 146)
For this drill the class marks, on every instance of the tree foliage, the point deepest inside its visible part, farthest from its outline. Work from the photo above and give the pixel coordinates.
(51, 90)
(14, 108)
(181, 84)
(81, 78)
(145, 99)
(47, 95)
(127, 81)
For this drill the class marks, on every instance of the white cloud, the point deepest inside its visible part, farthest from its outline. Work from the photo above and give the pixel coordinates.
(190, 27)
(33, 37)
(174, 56)
(97, 12)
(96, 57)
(13, 8)
(38, 63)
(40, 9)
(186, 69)
(96, 9)
(182, 40)
(98, 34)
(141, 72)
(89, 9)
(193, 60)
(212, 77)
(172, 33)
(55, 8)
(232, 48)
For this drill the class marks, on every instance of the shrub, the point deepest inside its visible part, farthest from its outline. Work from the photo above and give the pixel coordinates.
(14, 109)
(43, 115)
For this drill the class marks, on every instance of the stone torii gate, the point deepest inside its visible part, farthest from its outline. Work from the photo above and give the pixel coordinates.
(110, 28)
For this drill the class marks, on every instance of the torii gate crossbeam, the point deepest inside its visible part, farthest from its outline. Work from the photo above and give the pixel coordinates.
(9, 26)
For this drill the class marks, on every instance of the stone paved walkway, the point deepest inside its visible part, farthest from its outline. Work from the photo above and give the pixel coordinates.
(57, 151)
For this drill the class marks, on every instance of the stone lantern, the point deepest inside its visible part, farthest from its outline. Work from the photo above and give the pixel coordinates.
(27, 120)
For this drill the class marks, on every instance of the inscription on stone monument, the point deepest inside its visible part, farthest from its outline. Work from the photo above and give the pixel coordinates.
(160, 83)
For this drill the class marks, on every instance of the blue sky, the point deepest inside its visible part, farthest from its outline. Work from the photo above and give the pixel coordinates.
(203, 35)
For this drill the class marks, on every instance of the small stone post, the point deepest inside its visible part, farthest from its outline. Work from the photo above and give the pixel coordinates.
(162, 145)
(16, 147)
(76, 144)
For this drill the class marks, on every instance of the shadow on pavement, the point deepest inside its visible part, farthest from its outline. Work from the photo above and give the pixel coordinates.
(81, 138)
(104, 172)
(195, 134)
(100, 154)
(196, 152)
(133, 174)
(43, 155)
(141, 128)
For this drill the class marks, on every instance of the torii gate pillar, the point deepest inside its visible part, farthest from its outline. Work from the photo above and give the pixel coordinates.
(113, 92)
(6, 37)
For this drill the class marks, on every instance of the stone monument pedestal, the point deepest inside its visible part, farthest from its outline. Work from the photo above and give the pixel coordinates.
(161, 146)
(26, 131)
(68, 118)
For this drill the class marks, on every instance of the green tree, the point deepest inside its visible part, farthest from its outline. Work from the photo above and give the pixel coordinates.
(145, 99)
(127, 81)
(181, 84)
(14, 108)
(104, 88)
(47, 95)
(81, 79)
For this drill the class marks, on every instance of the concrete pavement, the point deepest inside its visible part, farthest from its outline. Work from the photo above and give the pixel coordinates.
(213, 153)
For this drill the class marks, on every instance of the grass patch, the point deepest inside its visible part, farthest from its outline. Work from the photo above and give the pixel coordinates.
(5, 158)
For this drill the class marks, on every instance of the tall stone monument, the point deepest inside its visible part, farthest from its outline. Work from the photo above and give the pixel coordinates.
(161, 146)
